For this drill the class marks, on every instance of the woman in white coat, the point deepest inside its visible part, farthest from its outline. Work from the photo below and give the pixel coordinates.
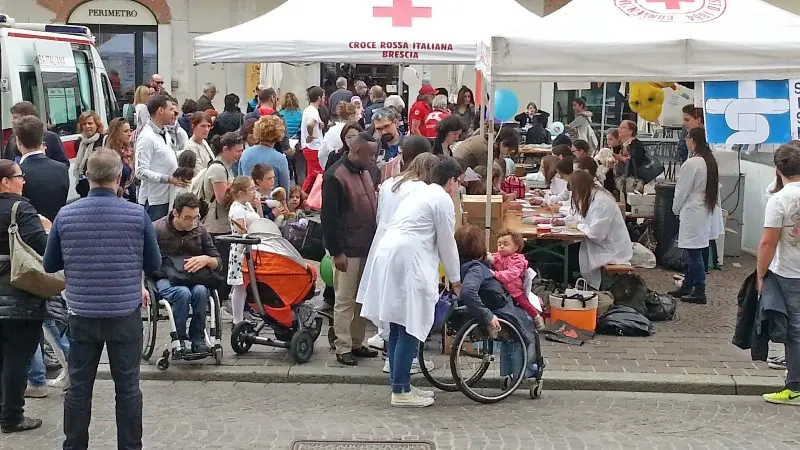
(401, 286)
(696, 196)
(599, 218)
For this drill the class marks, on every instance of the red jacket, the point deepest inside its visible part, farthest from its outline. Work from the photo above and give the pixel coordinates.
(509, 271)
(428, 127)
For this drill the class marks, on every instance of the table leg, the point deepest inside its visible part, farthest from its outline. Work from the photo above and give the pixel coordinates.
(566, 263)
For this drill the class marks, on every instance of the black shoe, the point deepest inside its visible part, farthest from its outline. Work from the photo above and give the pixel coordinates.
(365, 352)
(200, 348)
(347, 359)
(680, 292)
(696, 295)
(325, 307)
(24, 425)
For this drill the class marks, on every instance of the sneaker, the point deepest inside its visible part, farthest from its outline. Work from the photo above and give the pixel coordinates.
(347, 359)
(422, 393)
(36, 391)
(364, 352)
(225, 315)
(784, 397)
(376, 342)
(386, 368)
(538, 322)
(415, 369)
(777, 363)
(60, 382)
(200, 347)
(24, 425)
(410, 400)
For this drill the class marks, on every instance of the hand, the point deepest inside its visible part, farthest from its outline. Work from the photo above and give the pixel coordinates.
(494, 322)
(46, 224)
(538, 192)
(196, 263)
(309, 139)
(512, 196)
(178, 182)
(145, 297)
(340, 262)
(456, 288)
(537, 201)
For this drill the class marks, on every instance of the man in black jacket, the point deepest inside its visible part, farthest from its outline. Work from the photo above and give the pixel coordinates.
(46, 181)
(53, 147)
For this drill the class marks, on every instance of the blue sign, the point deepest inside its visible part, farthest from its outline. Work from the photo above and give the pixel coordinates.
(748, 112)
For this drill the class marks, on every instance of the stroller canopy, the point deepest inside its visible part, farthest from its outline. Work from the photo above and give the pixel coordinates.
(272, 241)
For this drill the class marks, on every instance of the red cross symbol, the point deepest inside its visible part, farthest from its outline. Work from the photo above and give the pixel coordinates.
(670, 4)
(402, 12)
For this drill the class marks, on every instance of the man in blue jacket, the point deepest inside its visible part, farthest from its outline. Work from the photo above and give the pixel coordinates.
(103, 243)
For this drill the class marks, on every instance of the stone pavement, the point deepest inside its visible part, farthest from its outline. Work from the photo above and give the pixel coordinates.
(692, 354)
(231, 416)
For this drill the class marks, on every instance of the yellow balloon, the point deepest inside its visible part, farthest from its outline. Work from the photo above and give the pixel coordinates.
(651, 114)
(441, 271)
(647, 100)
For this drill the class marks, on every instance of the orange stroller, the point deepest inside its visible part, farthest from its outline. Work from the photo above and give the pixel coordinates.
(278, 282)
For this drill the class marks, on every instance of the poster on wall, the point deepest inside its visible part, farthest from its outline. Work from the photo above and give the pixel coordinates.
(751, 112)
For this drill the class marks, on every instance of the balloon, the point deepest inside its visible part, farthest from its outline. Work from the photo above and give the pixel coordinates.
(556, 128)
(506, 104)
(326, 271)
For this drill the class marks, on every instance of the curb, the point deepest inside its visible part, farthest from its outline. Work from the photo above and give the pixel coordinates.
(553, 380)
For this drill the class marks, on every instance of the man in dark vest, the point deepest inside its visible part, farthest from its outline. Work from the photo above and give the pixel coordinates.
(349, 210)
(103, 243)
(46, 180)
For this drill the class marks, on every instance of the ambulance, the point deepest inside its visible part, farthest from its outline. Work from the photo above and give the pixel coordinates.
(58, 69)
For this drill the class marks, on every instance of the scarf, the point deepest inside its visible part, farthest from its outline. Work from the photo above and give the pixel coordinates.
(85, 148)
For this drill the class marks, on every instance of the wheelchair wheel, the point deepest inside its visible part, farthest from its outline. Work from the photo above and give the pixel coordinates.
(472, 345)
(149, 325)
(241, 337)
(439, 377)
(217, 319)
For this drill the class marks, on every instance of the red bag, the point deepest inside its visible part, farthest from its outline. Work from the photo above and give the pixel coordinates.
(513, 185)
(315, 197)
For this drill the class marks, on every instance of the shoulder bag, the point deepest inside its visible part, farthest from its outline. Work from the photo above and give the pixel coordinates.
(27, 270)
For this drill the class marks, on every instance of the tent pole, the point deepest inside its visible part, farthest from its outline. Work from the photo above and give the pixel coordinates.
(400, 81)
(481, 105)
(489, 165)
(603, 115)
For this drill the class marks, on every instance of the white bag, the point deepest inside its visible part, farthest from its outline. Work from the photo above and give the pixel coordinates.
(643, 257)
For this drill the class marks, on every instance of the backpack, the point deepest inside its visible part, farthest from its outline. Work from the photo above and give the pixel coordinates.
(198, 189)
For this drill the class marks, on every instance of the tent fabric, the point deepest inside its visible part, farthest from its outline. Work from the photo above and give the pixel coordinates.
(650, 40)
(366, 31)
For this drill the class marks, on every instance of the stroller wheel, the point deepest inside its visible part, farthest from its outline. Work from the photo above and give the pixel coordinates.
(315, 332)
(162, 363)
(332, 338)
(302, 346)
(241, 337)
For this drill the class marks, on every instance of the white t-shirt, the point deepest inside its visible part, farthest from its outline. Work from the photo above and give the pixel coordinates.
(783, 211)
(244, 212)
(311, 113)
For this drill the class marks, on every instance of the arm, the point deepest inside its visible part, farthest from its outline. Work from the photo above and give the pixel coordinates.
(53, 260)
(332, 192)
(470, 286)
(773, 224)
(55, 149)
(310, 130)
(283, 173)
(597, 223)
(30, 227)
(445, 215)
(144, 153)
(517, 265)
(210, 250)
(684, 186)
(151, 257)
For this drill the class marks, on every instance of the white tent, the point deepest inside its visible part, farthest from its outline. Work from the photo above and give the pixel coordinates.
(650, 40)
(366, 31)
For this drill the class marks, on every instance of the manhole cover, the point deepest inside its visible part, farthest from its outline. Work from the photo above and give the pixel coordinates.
(363, 445)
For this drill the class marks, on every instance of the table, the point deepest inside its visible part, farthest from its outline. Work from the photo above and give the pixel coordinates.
(535, 153)
(552, 242)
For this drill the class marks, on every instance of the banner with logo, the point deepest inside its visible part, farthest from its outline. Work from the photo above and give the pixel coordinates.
(752, 112)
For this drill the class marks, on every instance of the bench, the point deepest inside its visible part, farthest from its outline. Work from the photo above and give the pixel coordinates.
(618, 268)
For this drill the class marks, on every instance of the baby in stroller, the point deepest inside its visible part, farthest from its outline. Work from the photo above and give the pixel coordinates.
(485, 297)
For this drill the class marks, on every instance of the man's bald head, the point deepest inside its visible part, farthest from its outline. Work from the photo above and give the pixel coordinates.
(363, 150)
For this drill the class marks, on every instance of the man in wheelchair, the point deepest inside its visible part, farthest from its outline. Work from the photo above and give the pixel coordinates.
(188, 255)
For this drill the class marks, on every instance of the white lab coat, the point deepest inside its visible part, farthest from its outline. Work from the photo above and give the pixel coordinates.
(331, 143)
(689, 205)
(388, 202)
(402, 284)
(607, 240)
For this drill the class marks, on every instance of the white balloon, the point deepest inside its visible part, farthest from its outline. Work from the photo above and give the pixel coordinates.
(556, 128)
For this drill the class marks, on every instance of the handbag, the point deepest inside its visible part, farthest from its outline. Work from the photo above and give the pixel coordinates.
(27, 270)
(172, 269)
(650, 170)
(306, 236)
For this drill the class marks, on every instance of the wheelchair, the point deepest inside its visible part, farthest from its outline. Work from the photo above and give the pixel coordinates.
(159, 309)
(474, 350)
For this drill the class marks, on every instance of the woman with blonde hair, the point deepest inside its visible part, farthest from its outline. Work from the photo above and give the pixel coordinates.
(291, 113)
(268, 132)
(332, 142)
(119, 140)
(140, 98)
(91, 139)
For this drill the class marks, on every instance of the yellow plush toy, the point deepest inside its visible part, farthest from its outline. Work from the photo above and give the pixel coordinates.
(647, 100)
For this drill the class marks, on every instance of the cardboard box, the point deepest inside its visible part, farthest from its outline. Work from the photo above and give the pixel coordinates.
(641, 200)
(475, 207)
(643, 210)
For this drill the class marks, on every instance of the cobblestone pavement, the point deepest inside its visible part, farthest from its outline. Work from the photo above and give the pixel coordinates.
(698, 342)
(231, 416)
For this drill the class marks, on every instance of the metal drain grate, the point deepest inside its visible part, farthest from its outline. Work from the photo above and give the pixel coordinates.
(363, 445)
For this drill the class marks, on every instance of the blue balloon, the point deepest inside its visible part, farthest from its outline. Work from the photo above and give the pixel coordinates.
(506, 104)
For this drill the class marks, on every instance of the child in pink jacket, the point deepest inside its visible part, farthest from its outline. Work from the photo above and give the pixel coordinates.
(509, 267)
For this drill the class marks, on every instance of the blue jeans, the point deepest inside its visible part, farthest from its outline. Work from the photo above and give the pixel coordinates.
(122, 337)
(402, 349)
(789, 289)
(695, 269)
(180, 297)
(37, 373)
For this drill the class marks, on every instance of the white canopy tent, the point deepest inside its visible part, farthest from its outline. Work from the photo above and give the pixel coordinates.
(368, 31)
(650, 40)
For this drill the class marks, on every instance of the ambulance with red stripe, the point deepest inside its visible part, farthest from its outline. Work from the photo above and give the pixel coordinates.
(58, 69)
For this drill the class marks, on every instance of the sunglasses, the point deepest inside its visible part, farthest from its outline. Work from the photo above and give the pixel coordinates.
(159, 82)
